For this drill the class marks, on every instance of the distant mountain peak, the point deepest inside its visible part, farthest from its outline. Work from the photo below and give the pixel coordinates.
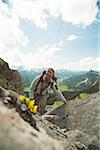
(92, 72)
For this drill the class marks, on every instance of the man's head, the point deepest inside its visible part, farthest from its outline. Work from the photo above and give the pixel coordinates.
(50, 74)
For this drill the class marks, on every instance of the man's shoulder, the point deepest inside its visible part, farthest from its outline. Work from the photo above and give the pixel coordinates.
(36, 78)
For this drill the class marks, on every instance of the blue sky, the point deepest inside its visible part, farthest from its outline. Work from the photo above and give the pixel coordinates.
(62, 34)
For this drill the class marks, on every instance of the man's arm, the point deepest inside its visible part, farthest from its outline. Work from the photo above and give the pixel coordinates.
(33, 86)
(58, 93)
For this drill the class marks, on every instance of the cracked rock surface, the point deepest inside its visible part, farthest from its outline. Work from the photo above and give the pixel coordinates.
(74, 126)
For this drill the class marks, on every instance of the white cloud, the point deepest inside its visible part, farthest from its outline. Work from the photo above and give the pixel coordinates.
(76, 12)
(10, 32)
(85, 64)
(39, 12)
(42, 58)
(31, 10)
(45, 57)
(60, 43)
(72, 37)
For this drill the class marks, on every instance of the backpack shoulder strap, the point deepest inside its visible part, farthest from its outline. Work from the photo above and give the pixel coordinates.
(55, 85)
(45, 87)
(40, 79)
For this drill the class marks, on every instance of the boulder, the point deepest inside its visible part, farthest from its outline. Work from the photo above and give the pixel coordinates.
(10, 79)
(16, 134)
(47, 132)
(83, 115)
(8, 95)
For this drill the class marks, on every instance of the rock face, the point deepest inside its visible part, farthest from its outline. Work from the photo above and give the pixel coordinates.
(24, 137)
(10, 79)
(16, 134)
(72, 126)
(81, 115)
(68, 129)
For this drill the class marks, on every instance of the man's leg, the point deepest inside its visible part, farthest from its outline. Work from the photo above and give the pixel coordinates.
(42, 104)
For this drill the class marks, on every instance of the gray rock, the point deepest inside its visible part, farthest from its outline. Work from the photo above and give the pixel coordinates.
(8, 95)
(14, 96)
(73, 126)
(4, 92)
(5, 101)
(51, 118)
(7, 98)
(81, 115)
(10, 79)
(16, 134)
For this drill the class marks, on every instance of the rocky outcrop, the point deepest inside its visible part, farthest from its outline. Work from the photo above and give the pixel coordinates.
(24, 137)
(10, 79)
(70, 127)
(16, 134)
(81, 115)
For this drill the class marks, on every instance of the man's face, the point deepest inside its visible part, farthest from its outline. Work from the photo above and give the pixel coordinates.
(49, 74)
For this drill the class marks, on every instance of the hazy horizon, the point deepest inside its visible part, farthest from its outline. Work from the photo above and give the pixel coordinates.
(56, 69)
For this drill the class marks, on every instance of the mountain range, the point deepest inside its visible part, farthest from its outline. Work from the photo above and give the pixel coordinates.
(71, 83)
(61, 74)
(88, 82)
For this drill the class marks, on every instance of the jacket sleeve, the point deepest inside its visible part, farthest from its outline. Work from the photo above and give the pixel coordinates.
(58, 93)
(33, 86)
